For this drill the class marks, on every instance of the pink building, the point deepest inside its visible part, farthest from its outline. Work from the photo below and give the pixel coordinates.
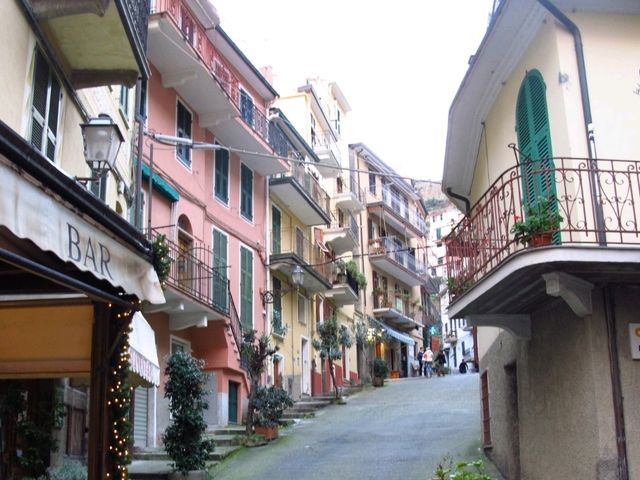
(210, 204)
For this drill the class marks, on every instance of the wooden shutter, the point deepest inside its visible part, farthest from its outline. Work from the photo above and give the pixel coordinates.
(246, 288)
(277, 305)
(222, 175)
(183, 127)
(45, 107)
(220, 270)
(534, 139)
(276, 230)
(246, 192)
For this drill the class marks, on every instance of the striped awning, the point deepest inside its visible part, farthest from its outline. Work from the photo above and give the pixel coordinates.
(143, 356)
(402, 337)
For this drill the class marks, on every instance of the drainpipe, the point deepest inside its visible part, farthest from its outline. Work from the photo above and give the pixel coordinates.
(467, 205)
(586, 111)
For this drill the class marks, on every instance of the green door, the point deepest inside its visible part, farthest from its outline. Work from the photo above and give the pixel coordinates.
(233, 402)
(246, 288)
(534, 140)
(219, 279)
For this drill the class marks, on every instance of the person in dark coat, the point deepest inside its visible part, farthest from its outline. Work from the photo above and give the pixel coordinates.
(419, 358)
(440, 361)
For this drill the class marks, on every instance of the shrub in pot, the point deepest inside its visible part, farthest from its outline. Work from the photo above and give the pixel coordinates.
(380, 372)
(184, 438)
(269, 404)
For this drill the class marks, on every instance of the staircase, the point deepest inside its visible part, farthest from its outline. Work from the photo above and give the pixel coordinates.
(155, 464)
(307, 406)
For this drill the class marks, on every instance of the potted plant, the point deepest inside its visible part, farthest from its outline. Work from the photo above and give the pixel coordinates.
(269, 404)
(380, 372)
(184, 438)
(541, 220)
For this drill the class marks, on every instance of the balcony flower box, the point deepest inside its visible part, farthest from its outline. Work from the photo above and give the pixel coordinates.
(541, 220)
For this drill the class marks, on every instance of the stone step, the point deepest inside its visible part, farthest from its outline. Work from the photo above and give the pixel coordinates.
(159, 454)
(155, 469)
(228, 430)
(296, 415)
(225, 439)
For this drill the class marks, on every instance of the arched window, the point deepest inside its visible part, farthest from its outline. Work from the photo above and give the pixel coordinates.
(534, 139)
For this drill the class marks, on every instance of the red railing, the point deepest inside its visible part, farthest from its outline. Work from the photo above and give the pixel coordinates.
(186, 22)
(596, 200)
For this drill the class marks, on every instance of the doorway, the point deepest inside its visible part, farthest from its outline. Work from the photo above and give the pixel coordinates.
(513, 421)
(404, 361)
(233, 402)
(306, 367)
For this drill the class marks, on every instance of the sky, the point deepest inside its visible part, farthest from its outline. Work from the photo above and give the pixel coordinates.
(399, 63)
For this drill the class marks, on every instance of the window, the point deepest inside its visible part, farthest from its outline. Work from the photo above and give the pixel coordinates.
(313, 131)
(99, 187)
(219, 280)
(246, 288)
(246, 192)
(276, 230)
(302, 309)
(142, 108)
(276, 321)
(246, 106)
(372, 183)
(179, 345)
(440, 260)
(45, 108)
(183, 130)
(221, 180)
(438, 233)
(124, 100)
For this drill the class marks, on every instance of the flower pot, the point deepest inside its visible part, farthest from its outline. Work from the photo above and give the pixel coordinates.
(268, 433)
(191, 475)
(377, 381)
(541, 239)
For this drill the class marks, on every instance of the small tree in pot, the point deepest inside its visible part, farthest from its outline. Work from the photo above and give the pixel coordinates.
(269, 404)
(329, 344)
(380, 372)
(183, 439)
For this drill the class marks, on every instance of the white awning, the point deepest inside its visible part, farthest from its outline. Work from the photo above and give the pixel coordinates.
(30, 212)
(143, 356)
(394, 333)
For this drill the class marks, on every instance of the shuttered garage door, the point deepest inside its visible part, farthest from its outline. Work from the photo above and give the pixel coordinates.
(140, 414)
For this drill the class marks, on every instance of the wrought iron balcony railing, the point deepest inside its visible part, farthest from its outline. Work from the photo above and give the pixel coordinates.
(399, 254)
(293, 242)
(192, 274)
(348, 279)
(195, 34)
(597, 203)
(399, 207)
(353, 186)
(309, 183)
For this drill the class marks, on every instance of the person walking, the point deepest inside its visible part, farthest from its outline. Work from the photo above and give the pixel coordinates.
(427, 360)
(440, 361)
(419, 358)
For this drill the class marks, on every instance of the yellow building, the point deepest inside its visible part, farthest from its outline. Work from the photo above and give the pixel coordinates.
(544, 128)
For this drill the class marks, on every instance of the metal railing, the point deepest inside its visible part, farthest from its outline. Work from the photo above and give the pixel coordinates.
(323, 142)
(399, 208)
(195, 34)
(309, 183)
(293, 242)
(399, 254)
(281, 144)
(192, 274)
(391, 298)
(139, 15)
(353, 187)
(344, 219)
(596, 202)
(348, 279)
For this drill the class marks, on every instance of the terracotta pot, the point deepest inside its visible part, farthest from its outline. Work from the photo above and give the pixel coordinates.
(269, 433)
(541, 239)
(377, 381)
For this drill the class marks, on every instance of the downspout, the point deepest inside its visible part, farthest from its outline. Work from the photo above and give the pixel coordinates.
(586, 111)
(467, 204)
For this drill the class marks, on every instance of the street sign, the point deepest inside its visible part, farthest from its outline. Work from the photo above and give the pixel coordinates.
(634, 339)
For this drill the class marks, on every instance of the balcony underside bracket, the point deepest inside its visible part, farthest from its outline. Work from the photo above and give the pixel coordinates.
(573, 290)
(518, 325)
(180, 321)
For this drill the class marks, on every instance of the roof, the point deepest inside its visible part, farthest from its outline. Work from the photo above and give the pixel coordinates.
(512, 29)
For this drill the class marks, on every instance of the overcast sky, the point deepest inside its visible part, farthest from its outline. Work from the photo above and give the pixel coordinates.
(399, 63)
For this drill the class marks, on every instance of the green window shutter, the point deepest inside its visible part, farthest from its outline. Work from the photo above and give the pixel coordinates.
(276, 230)
(222, 175)
(246, 288)
(183, 128)
(534, 139)
(277, 306)
(220, 282)
(246, 192)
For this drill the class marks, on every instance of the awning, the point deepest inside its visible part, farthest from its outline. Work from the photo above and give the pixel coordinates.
(30, 212)
(160, 184)
(143, 356)
(393, 333)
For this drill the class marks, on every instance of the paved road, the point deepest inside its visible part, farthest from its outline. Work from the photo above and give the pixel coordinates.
(400, 431)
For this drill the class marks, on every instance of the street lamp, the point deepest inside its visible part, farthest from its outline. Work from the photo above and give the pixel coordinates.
(297, 278)
(102, 140)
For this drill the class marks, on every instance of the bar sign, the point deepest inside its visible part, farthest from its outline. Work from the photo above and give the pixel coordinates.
(634, 338)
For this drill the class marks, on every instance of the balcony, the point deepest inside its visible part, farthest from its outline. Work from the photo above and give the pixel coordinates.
(303, 195)
(343, 234)
(349, 196)
(344, 291)
(395, 309)
(396, 260)
(290, 248)
(490, 272)
(451, 338)
(396, 211)
(97, 43)
(325, 146)
(197, 293)
(183, 51)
